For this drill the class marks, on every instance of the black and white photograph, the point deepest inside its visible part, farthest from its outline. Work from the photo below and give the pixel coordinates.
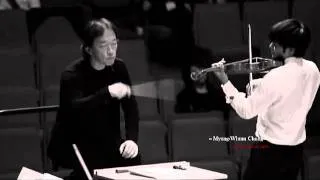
(159, 89)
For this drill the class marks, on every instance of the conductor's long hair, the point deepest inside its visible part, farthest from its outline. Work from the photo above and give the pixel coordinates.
(93, 29)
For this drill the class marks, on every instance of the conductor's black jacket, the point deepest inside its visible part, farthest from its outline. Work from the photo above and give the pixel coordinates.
(89, 117)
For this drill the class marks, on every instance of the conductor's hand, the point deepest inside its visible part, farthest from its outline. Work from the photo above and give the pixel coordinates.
(128, 149)
(170, 5)
(146, 6)
(119, 90)
(219, 71)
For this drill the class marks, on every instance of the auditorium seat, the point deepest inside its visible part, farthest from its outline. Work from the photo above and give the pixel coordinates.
(312, 163)
(261, 16)
(133, 53)
(147, 98)
(168, 90)
(312, 157)
(9, 176)
(18, 97)
(153, 141)
(20, 147)
(313, 118)
(222, 166)
(217, 26)
(148, 106)
(57, 46)
(16, 67)
(190, 135)
(192, 139)
(17, 60)
(241, 128)
(13, 29)
(307, 11)
(243, 168)
(58, 3)
(122, 13)
(111, 3)
(19, 134)
(51, 97)
(312, 143)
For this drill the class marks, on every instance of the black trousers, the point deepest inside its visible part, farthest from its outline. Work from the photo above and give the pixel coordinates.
(269, 161)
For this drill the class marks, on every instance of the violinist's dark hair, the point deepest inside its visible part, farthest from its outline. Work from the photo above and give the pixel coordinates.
(291, 33)
(93, 29)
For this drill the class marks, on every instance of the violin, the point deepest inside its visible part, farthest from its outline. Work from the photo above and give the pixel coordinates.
(257, 65)
(246, 66)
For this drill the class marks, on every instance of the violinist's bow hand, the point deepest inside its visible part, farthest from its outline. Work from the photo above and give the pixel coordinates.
(251, 86)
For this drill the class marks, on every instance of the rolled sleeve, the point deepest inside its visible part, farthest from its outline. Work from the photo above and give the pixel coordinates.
(248, 107)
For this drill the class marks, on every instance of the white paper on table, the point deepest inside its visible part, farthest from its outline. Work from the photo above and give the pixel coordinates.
(111, 174)
(171, 173)
(29, 174)
(161, 170)
(160, 173)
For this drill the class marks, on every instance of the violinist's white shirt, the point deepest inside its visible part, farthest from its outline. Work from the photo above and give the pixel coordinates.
(281, 101)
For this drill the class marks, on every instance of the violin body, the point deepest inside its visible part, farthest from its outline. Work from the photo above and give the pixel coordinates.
(258, 65)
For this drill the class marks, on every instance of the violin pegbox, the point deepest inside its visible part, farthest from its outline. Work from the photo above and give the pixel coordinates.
(218, 64)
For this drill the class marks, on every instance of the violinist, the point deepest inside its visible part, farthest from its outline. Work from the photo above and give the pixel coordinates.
(281, 101)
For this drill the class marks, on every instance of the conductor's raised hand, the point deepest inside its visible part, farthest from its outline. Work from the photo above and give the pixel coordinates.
(219, 71)
(129, 149)
(119, 90)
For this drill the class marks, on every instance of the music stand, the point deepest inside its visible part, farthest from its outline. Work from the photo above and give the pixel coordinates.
(83, 164)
